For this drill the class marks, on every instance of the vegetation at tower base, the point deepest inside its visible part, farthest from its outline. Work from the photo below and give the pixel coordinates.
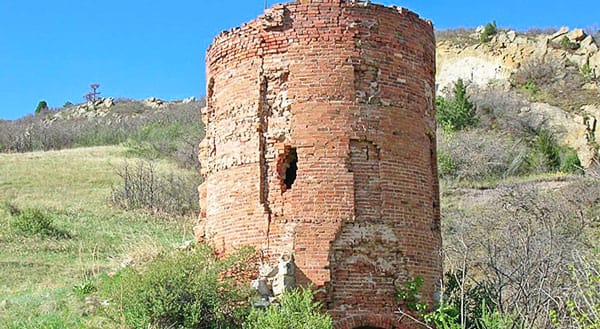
(320, 144)
(182, 289)
(296, 309)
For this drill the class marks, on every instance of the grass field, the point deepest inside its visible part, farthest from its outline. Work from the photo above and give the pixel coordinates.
(72, 188)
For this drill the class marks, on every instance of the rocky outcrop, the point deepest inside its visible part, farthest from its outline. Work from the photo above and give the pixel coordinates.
(496, 60)
(576, 130)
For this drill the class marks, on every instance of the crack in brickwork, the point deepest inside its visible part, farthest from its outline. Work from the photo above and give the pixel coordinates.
(347, 87)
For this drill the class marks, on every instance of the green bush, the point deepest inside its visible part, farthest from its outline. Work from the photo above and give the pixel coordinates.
(548, 156)
(569, 161)
(446, 164)
(42, 106)
(34, 222)
(297, 309)
(545, 145)
(531, 88)
(567, 44)
(458, 112)
(489, 30)
(185, 289)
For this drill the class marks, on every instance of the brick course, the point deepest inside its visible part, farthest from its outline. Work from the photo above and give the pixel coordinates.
(341, 95)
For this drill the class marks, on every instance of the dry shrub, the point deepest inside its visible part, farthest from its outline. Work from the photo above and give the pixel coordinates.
(499, 109)
(518, 242)
(143, 187)
(477, 154)
(539, 72)
(555, 81)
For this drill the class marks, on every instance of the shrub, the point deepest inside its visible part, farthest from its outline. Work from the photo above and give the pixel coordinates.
(458, 112)
(480, 154)
(504, 237)
(569, 161)
(536, 73)
(500, 110)
(546, 152)
(446, 164)
(530, 88)
(34, 222)
(297, 309)
(582, 309)
(587, 72)
(41, 107)
(548, 156)
(183, 289)
(489, 30)
(567, 44)
(142, 187)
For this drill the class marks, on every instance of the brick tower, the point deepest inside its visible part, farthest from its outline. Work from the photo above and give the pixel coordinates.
(320, 143)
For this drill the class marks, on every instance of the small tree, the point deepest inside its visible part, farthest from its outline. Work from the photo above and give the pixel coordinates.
(41, 107)
(489, 30)
(458, 112)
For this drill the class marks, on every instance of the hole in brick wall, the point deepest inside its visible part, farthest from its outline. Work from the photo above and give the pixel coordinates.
(288, 168)
(211, 88)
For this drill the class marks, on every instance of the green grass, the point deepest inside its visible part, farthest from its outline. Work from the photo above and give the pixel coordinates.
(72, 188)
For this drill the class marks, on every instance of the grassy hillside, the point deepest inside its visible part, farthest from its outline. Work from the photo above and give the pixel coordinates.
(72, 188)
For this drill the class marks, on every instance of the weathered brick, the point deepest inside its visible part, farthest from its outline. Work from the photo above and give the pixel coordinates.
(338, 95)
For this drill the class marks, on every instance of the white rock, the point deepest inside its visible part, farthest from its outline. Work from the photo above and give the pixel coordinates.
(511, 35)
(563, 30)
(189, 100)
(576, 35)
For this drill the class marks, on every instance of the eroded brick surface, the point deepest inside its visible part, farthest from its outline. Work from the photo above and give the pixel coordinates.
(320, 143)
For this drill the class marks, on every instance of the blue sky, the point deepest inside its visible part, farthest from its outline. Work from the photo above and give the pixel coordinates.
(53, 49)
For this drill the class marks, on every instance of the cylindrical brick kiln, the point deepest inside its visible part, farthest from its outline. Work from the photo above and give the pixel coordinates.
(320, 143)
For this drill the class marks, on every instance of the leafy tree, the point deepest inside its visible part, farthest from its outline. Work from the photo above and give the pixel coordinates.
(458, 112)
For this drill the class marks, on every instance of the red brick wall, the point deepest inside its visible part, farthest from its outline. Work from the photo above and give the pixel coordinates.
(349, 87)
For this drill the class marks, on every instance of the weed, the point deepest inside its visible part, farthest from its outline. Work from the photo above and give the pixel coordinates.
(531, 88)
(85, 288)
